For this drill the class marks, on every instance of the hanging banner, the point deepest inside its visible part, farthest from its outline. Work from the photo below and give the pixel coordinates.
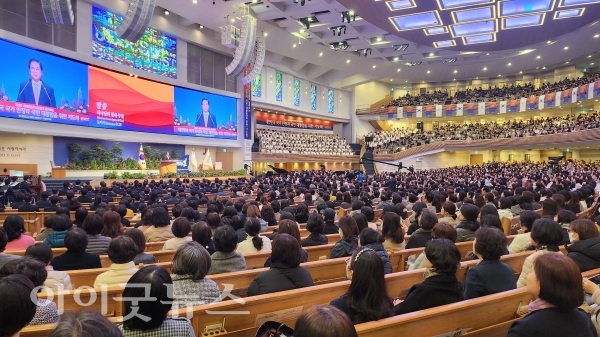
(502, 107)
(598, 88)
(428, 111)
(523, 104)
(492, 107)
(582, 92)
(481, 108)
(558, 100)
(590, 91)
(409, 112)
(459, 109)
(574, 95)
(532, 102)
(541, 102)
(419, 111)
(247, 106)
(470, 109)
(301, 123)
(400, 112)
(566, 96)
(513, 105)
(449, 109)
(550, 100)
(438, 111)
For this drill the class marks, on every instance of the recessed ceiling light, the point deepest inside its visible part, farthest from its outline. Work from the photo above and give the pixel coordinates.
(391, 80)
(406, 81)
(592, 63)
(548, 42)
(379, 39)
(398, 70)
(201, 26)
(374, 66)
(566, 48)
(477, 77)
(232, 20)
(429, 71)
(347, 61)
(567, 62)
(537, 67)
(294, 45)
(455, 71)
(351, 12)
(265, 34)
(167, 12)
(487, 54)
(499, 75)
(520, 72)
(484, 68)
(321, 54)
(597, 36)
(589, 56)
(544, 67)
(194, 1)
(538, 57)
(431, 54)
(396, 58)
(509, 64)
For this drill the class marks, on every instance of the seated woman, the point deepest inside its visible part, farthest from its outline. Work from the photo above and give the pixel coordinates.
(546, 236)
(564, 219)
(60, 225)
(290, 227)
(47, 228)
(56, 280)
(121, 252)
(202, 234)
(226, 259)
(254, 242)
(441, 230)
(440, 286)
(301, 215)
(191, 263)
(161, 226)
(140, 242)
(585, 250)
(555, 283)
(371, 238)
(490, 276)
(181, 228)
(448, 213)
(17, 308)
(285, 272)
(75, 257)
(366, 270)
(14, 226)
(46, 311)
(504, 208)
(349, 241)
(149, 318)
(421, 236)
(87, 323)
(324, 321)
(314, 226)
(468, 224)
(392, 231)
(254, 213)
(93, 226)
(112, 224)
(523, 239)
(329, 222)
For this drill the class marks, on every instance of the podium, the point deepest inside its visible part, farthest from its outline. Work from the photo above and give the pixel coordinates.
(167, 166)
(59, 172)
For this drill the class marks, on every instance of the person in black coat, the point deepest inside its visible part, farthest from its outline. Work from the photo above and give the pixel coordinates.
(490, 276)
(440, 286)
(55, 204)
(28, 206)
(44, 202)
(75, 257)
(349, 242)
(422, 235)
(558, 292)
(372, 239)
(585, 250)
(329, 226)
(314, 226)
(285, 272)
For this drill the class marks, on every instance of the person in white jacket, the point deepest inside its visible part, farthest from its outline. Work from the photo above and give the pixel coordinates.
(56, 280)
(121, 252)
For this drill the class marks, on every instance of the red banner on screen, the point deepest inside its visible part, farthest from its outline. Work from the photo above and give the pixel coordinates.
(263, 118)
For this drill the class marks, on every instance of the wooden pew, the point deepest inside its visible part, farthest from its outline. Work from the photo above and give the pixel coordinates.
(159, 256)
(55, 252)
(315, 253)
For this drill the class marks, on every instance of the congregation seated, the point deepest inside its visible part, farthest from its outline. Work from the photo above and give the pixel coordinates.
(17, 309)
(76, 257)
(14, 226)
(314, 226)
(60, 225)
(324, 321)
(3, 241)
(56, 280)
(302, 143)
(287, 226)
(180, 228)
(226, 259)
(372, 239)
(87, 323)
(585, 250)
(121, 252)
(349, 238)
(93, 226)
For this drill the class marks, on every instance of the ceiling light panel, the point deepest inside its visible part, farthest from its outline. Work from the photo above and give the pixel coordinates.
(566, 3)
(476, 39)
(444, 44)
(400, 4)
(568, 13)
(523, 21)
(474, 28)
(452, 4)
(521, 7)
(476, 14)
(416, 21)
(436, 30)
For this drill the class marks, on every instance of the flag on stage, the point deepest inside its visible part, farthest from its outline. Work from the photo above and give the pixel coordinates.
(207, 163)
(142, 158)
(193, 163)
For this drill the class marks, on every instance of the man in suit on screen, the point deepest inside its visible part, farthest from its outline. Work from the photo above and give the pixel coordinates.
(34, 90)
(205, 118)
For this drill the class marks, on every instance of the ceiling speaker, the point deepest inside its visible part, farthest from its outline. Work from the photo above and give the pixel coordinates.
(58, 11)
(136, 20)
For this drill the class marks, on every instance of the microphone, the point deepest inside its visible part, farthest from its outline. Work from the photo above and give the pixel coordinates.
(46, 91)
(20, 92)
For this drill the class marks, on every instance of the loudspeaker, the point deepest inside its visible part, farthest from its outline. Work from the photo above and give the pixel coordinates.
(58, 11)
(136, 19)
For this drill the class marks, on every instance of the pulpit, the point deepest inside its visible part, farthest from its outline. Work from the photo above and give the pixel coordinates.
(167, 167)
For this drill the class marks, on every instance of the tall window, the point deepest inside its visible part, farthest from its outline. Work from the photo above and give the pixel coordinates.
(296, 92)
(278, 87)
(330, 101)
(26, 18)
(256, 86)
(313, 97)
